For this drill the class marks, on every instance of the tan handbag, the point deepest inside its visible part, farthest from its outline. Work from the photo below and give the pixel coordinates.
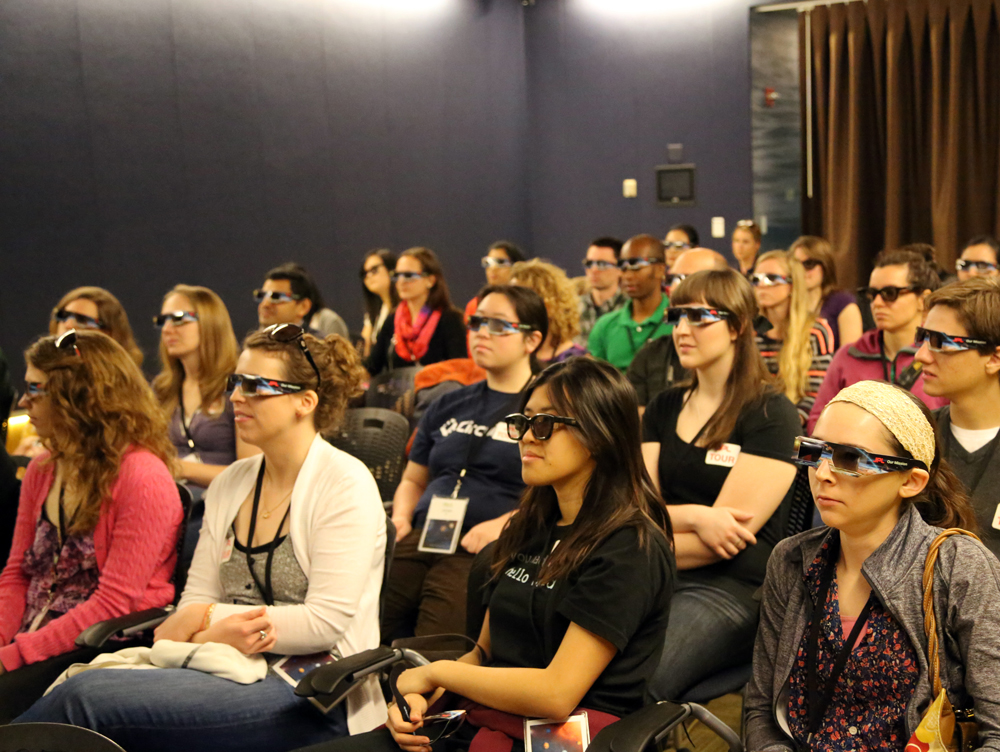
(941, 729)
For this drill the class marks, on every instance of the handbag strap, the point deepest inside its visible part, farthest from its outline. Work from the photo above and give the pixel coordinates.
(930, 621)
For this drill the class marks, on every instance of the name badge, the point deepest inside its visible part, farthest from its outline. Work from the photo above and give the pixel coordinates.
(725, 456)
(996, 518)
(443, 525)
(227, 548)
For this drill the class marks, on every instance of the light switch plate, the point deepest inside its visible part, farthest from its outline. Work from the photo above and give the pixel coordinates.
(718, 227)
(630, 188)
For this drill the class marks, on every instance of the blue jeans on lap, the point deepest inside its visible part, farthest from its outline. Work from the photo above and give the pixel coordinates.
(166, 710)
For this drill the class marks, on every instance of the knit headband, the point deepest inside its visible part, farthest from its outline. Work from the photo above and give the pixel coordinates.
(897, 412)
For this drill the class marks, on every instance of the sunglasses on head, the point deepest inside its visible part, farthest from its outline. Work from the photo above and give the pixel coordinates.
(406, 276)
(67, 341)
(941, 342)
(366, 273)
(635, 264)
(495, 326)
(174, 317)
(489, 262)
(769, 280)
(287, 333)
(888, 294)
(849, 460)
(258, 386)
(746, 223)
(675, 244)
(599, 264)
(697, 315)
(963, 265)
(541, 424)
(82, 321)
(275, 297)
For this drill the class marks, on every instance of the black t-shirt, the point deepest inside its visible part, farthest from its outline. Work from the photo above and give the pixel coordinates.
(765, 428)
(620, 593)
(492, 482)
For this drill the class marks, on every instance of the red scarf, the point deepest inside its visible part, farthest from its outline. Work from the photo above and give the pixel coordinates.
(412, 338)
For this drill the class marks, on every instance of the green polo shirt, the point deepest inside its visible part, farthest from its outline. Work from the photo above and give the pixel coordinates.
(616, 338)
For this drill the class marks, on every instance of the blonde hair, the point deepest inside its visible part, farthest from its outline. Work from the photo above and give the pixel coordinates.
(558, 293)
(217, 352)
(110, 313)
(101, 407)
(796, 354)
(819, 249)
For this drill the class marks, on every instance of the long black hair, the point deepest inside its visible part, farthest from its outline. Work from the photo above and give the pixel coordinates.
(373, 303)
(619, 493)
(530, 310)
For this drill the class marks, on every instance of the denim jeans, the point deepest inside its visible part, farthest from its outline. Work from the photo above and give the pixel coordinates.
(709, 630)
(166, 710)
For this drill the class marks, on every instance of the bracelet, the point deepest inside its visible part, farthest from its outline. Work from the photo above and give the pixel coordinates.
(207, 621)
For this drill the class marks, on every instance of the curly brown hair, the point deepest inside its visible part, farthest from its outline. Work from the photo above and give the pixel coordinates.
(558, 292)
(110, 312)
(337, 360)
(101, 408)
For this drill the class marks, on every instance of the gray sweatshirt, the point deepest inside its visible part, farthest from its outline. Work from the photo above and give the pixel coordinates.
(966, 601)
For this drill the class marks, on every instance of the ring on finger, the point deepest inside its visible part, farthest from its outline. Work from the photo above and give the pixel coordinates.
(263, 635)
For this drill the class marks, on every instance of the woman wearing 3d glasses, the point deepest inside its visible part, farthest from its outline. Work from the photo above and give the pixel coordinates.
(198, 351)
(841, 659)
(97, 523)
(462, 481)
(898, 288)
(289, 563)
(425, 328)
(719, 450)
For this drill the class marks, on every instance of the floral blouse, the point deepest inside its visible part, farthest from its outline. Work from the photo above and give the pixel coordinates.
(868, 707)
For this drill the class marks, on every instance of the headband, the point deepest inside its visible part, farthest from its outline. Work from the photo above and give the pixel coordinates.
(897, 412)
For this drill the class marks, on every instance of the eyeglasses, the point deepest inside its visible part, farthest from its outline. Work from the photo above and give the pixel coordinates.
(599, 264)
(287, 333)
(495, 326)
(67, 341)
(769, 280)
(697, 315)
(849, 460)
(809, 264)
(275, 297)
(34, 390)
(888, 294)
(672, 279)
(258, 386)
(746, 223)
(941, 342)
(406, 276)
(668, 244)
(453, 720)
(489, 262)
(981, 267)
(82, 321)
(174, 317)
(541, 425)
(366, 273)
(635, 264)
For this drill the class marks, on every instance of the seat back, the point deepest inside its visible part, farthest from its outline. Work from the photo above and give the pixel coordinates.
(53, 737)
(377, 437)
(800, 513)
(393, 390)
(390, 551)
(185, 543)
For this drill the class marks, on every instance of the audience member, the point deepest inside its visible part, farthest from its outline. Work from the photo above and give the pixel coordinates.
(379, 293)
(798, 347)
(290, 296)
(198, 351)
(979, 258)
(556, 291)
(581, 579)
(425, 328)
(98, 518)
(960, 354)
(462, 451)
(826, 301)
(617, 336)
(679, 239)
(898, 286)
(497, 263)
(855, 673)
(604, 293)
(719, 450)
(746, 244)
(289, 563)
(655, 367)
(95, 308)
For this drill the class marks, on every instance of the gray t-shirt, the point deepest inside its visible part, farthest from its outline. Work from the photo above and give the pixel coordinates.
(288, 582)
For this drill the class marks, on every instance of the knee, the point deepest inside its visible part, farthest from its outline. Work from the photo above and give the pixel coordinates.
(77, 701)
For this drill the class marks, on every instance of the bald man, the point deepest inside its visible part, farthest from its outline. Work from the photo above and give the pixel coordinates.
(695, 260)
(617, 336)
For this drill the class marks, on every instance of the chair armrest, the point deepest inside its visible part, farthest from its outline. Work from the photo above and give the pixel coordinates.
(96, 635)
(339, 677)
(730, 737)
(636, 732)
(443, 647)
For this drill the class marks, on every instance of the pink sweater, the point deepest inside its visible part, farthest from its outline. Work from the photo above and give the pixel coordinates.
(135, 542)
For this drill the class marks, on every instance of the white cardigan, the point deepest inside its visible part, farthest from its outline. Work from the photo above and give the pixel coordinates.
(337, 524)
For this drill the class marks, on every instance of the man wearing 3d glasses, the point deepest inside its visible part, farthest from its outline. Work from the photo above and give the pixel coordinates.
(604, 293)
(617, 336)
(290, 296)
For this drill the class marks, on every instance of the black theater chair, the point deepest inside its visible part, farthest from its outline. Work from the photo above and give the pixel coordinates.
(377, 437)
(53, 737)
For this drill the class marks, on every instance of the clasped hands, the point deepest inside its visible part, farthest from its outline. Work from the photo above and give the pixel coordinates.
(723, 530)
(413, 684)
(244, 631)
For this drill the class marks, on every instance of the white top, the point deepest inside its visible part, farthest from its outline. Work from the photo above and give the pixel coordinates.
(383, 314)
(337, 526)
(972, 440)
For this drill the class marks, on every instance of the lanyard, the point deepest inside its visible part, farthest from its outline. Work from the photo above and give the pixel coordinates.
(476, 442)
(820, 697)
(184, 426)
(266, 592)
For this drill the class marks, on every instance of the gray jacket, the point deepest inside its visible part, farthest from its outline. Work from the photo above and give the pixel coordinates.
(966, 601)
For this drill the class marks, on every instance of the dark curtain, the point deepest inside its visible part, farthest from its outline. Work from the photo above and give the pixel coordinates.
(905, 126)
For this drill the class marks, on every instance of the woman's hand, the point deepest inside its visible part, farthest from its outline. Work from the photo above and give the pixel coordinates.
(403, 732)
(403, 527)
(416, 681)
(182, 624)
(243, 632)
(720, 529)
(481, 535)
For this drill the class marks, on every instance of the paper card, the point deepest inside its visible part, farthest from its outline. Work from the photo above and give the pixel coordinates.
(547, 735)
(996, 518)
(724, 456)
(443, 525)
(293, 669)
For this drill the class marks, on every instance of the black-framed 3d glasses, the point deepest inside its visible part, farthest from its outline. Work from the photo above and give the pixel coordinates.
(495, 326)
(260, 386)
(849, 460)
(174, 317)
(697, 315)
(889, 294)
(82, 321)
(941, 342)
(541, 424)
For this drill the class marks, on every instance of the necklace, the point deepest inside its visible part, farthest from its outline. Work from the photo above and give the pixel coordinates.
(266, 514)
